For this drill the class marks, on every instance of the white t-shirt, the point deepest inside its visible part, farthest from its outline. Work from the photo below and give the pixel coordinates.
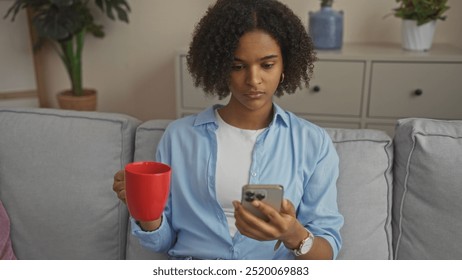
(234, 157)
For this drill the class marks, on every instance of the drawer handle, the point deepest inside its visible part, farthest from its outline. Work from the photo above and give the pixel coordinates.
(316, 88)
(418, 92)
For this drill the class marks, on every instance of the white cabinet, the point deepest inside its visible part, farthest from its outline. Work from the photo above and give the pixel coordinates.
(362, 86)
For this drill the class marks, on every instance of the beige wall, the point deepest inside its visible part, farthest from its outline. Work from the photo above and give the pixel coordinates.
(133, 66)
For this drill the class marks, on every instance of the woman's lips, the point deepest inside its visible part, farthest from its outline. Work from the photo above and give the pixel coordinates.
(254, 94)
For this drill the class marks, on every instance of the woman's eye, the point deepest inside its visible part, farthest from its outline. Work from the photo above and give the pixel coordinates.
(268, 65)
(237, 67)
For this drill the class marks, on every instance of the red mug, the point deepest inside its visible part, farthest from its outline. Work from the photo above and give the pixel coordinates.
(147, 186)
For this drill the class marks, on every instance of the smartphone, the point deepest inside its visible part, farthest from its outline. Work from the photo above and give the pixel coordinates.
(270, 194)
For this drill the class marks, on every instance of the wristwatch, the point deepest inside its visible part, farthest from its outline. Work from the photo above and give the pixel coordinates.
(305, 246)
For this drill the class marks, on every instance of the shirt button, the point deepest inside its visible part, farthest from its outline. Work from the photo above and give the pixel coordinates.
(254, 174)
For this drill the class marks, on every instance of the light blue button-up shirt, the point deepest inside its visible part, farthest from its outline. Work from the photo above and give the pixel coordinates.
(291, 152)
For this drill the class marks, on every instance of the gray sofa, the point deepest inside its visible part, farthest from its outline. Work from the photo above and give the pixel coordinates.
(401, 198)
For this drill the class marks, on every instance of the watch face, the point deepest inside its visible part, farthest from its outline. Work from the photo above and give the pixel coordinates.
(307, 245)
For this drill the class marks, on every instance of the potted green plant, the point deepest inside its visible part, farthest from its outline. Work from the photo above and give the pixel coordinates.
(419, 21)
(65, 23)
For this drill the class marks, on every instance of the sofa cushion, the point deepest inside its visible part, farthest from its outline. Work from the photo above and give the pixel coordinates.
(56, 170)
(427, 189)
(148, 135)
(364, 192)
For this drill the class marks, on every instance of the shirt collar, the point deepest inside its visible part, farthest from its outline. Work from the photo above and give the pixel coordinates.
(208, 116)
(280, 115)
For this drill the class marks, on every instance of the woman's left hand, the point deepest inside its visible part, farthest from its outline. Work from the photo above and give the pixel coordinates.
(282, 225)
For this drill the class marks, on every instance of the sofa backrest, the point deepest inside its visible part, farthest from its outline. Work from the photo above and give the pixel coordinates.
(427, 189)
(46, 151)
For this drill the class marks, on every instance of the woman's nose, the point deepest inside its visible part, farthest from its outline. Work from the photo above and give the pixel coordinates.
(254, 76)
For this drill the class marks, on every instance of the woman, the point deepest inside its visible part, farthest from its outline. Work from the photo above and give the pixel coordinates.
(253, 50)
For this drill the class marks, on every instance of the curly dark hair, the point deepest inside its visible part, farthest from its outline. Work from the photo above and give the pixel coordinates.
(216, 37)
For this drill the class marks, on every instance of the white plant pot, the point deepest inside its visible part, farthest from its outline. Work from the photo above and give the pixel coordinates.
(417, 38)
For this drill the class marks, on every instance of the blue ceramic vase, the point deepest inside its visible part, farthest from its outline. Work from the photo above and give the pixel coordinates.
(326, 28)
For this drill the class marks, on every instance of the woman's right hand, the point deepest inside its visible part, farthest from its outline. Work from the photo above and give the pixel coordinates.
(119, 185)
(119, 188)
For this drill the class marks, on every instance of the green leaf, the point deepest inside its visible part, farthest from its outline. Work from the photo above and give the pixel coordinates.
(422, 11)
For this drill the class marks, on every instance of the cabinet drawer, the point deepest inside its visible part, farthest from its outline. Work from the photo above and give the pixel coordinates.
(335, 89)
(432, 90)
(189, 96)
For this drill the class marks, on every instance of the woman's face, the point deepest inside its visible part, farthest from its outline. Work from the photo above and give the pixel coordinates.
(256, 71)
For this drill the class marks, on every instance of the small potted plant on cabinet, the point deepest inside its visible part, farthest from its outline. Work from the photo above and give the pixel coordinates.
(419, 21)
(65, 23)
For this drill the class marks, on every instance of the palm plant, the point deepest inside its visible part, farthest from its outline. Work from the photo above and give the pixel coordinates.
(65, 23)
